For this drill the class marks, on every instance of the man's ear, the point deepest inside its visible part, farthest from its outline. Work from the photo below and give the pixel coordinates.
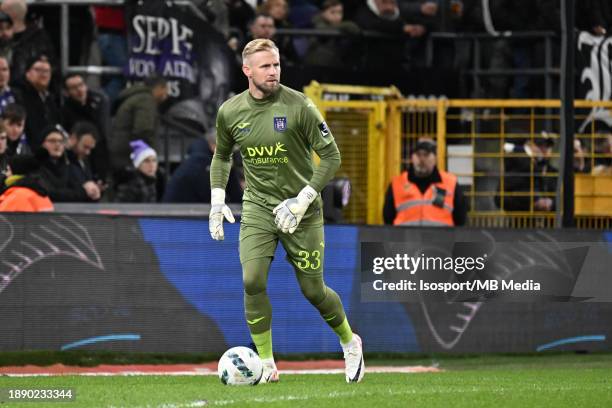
(246, 70)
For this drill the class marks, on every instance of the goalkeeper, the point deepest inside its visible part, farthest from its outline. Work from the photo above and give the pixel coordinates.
(277, 128)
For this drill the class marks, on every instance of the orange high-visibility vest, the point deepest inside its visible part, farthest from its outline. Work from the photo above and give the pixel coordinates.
(414, 208)
(23, 199)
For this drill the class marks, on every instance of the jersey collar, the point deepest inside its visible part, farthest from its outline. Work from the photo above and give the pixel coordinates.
(265, 101)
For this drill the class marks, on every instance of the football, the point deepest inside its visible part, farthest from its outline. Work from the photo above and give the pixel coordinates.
(240, 366)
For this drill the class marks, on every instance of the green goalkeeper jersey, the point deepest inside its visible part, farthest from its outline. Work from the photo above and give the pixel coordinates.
(276, 136)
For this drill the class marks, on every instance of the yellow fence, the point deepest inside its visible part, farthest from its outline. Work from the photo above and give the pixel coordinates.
(377, 133)
(359, 127)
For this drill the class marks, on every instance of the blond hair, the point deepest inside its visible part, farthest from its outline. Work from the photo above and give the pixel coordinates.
(260, 44)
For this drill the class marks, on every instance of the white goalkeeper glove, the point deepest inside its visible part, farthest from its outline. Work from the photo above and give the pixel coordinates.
(290, 212)
(218, 211)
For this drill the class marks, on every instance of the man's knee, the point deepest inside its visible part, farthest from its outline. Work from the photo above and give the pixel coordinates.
(255, 275)
(253, 285)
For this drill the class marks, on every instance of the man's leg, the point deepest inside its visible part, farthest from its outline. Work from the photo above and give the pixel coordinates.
(257, 308)
(305, 251)
(258, 243)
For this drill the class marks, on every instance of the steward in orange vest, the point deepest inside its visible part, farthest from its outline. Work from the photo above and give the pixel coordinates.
(423, 195)
(24, 191)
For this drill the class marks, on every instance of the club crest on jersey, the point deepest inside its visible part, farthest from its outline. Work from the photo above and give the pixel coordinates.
(280, 123)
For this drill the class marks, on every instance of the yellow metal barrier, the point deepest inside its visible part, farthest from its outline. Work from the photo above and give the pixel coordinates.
(478, 132)
(593, 194)
(359, 127)
(376, 128)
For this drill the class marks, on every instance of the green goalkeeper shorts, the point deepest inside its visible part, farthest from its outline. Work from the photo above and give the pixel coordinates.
(305, 247)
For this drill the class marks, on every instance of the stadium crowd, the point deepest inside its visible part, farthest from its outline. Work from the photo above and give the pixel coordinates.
(102, 144)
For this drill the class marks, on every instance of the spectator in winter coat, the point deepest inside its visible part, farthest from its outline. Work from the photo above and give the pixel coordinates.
(29, 41)
(56, 171)
(137, 119)
(140, 185)
(13, 121)
(83, 104)
(37, 99)
(81, 142)
(332, 52)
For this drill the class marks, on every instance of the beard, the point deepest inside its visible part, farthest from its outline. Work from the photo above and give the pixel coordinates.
(421, 171)
(266, 88)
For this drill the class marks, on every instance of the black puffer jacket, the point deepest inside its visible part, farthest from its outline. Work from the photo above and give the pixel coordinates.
(62, 187)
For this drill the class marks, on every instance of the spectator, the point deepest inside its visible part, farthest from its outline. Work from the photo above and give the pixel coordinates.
(603, 149)
(28, 41)
(424, 195)
(6, 36)
(141, 183)
(262, 26)
(81, 143)
(41, 105)
(84, 104)
(112, 41)
(13, 120)
(24, 190)
(3, 156)
(422, 10)
(137, 119)
(530, 159)
(331, 52)
(190, 182)
(56, 171)
(6, 94)
(580, 163)
(434, 15)
(383, 16)
(279, 11)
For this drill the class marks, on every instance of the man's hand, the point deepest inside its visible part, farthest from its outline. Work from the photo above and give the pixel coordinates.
(92, 190)
(218, 211)
(290, 212)
(543, 204)
(415, 30)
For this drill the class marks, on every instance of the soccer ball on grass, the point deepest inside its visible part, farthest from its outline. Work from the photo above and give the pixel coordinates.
(240, 366)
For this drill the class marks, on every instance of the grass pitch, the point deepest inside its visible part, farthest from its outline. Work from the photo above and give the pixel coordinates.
(542, 381)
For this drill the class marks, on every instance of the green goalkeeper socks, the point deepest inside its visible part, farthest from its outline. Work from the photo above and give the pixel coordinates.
(258, 313)
(263, 341)
(344, 332)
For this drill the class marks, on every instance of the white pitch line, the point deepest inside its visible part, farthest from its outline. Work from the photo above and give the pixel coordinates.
(204, 371)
